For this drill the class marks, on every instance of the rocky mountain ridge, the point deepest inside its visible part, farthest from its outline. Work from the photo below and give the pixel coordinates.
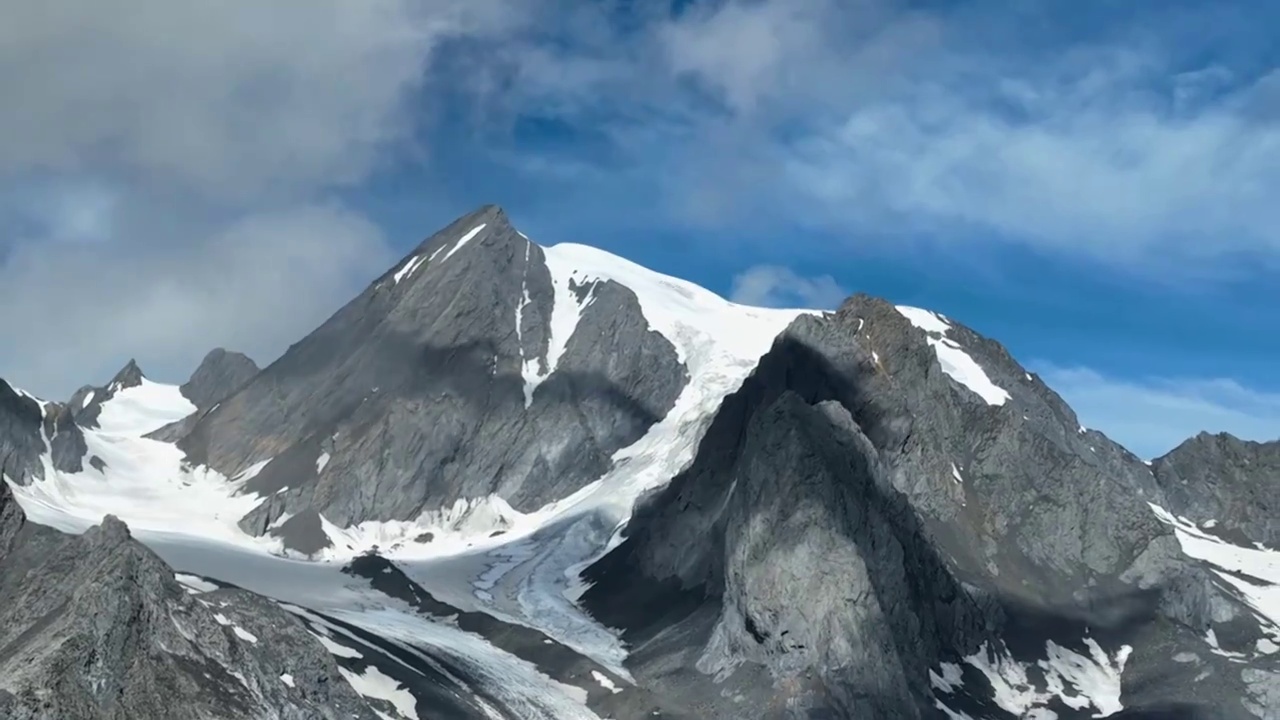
(874, 512)
(97, 626)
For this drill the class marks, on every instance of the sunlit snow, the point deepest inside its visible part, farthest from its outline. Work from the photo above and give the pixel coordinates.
(1228, 562)
(955, 362)
(373, 684)
(450, 250)
(1078, 681)
(408, 269)
(605, 682)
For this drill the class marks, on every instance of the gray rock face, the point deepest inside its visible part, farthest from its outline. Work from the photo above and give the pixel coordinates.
(95, 626)
(856, 517)
(12, 520)
(29, 429)
(1232, 482)
(413, 393)
(21, 444)
(220, 374)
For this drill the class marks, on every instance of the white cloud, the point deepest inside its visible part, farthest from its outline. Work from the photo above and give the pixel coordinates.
(1151, 416)
(229, 98)
(873, 118)
(774, 286)
(165, 171)
(256, 284)
(1091, 172)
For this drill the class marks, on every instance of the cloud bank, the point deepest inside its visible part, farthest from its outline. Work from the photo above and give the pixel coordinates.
(186, 164)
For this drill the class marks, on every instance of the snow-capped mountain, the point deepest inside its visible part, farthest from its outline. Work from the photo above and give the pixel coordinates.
(521, 481)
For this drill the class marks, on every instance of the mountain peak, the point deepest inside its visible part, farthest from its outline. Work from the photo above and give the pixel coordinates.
(129, 376)
(111, 531)
(490, 219)
(1219, 477)
(221, 373)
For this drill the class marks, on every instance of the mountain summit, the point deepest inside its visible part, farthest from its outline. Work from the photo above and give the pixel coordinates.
(478, 335)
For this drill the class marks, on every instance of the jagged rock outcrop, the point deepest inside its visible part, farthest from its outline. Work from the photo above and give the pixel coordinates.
(30, 429)
(856, 517)
(418, 392)
(1230, 483)
(220, 374)
(95, 626)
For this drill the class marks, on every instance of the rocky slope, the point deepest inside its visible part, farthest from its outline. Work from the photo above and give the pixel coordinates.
(96, 626)
(865, 535)
(31, 429)
(1220, 479)
(404, 389)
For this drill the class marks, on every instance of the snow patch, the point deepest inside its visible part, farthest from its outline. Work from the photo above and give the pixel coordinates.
(322, 461)
(23, 393)
(528, 365)
(88, 398)
(287, 679)
(1228, 561)
(955, 362)
(252, 471)
(950, 679)
(566, 311)
(605, 682)
(955, 474)
(373, 684)
(244, 634)
(1076, 680)
(457, 245)
(407, 271)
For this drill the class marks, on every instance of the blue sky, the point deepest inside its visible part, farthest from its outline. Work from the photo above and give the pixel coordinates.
(1090, 183)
